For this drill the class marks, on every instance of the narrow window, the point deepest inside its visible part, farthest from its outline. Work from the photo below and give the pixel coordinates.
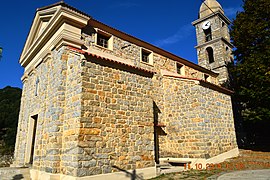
(180, 69)
(208, 34)
(145, 56)
(210, 55)
(103, 40)
(37, 84)
(223, 24)
(206, 77)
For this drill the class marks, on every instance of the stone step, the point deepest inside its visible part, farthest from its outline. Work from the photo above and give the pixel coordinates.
(9, 173)
(174, 162)
(178, 163)
(171, 166)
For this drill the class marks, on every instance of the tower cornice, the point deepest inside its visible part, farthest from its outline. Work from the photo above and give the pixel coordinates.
(219, 13)
(214, 41)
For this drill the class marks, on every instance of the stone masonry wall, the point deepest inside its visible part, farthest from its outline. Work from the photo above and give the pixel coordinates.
(94, 114)
(44, 99)
(69, 154)
(117, 119)
(57, 104)
(199, 121)
(21, 131)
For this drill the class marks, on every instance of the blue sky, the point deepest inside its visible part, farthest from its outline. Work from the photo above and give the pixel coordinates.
(166, 24)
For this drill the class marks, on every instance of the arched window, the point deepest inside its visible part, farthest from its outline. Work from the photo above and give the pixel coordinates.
(210, 54)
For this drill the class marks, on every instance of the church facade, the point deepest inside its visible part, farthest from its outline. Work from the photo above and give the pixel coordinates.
(96, 100)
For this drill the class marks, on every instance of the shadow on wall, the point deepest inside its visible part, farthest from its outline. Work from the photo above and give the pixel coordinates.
(158, 131)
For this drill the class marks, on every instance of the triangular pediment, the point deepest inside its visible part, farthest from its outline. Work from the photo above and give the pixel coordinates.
(40, 24)
(53, 26)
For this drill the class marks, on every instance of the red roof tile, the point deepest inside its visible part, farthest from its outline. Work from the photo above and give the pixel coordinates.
(109, 59)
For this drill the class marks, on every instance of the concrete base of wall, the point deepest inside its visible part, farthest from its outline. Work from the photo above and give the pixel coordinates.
(204, 162)
(145, 173)
(222, 157)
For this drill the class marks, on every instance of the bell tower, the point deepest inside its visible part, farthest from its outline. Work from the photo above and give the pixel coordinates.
(214, 49)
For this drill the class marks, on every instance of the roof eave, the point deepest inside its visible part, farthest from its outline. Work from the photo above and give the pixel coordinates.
(63, 4)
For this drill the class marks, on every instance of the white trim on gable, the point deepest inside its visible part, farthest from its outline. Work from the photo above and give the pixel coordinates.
(52, 27)
(40, 18)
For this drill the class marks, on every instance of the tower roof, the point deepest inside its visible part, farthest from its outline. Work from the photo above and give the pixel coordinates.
(208, 7)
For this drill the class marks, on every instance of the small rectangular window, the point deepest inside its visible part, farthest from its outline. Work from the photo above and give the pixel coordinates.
(145, 56)
(103, 40)
(206, 77)
(180, 69)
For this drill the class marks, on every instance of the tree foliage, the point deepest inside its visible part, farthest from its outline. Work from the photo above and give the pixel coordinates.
(10, 99)
(250, 35)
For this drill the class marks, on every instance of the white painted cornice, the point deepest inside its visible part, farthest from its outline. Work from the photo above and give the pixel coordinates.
(63, 28)
(217, 13)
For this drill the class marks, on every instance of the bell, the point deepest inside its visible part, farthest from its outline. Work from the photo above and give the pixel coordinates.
(1, 49)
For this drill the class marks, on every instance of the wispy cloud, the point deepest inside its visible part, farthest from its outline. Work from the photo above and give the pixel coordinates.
(231, 11)
(183, 32)
(124, 5)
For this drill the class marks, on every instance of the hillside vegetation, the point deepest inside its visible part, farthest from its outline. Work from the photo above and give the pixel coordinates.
(10, 99)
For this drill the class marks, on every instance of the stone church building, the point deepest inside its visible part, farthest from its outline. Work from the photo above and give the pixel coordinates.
(97, 101)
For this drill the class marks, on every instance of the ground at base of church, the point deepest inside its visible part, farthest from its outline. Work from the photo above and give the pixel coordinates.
(248, 165)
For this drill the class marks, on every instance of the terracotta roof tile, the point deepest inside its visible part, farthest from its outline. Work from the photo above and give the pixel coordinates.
(111, 60)
(206, 84)
(63, 4)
